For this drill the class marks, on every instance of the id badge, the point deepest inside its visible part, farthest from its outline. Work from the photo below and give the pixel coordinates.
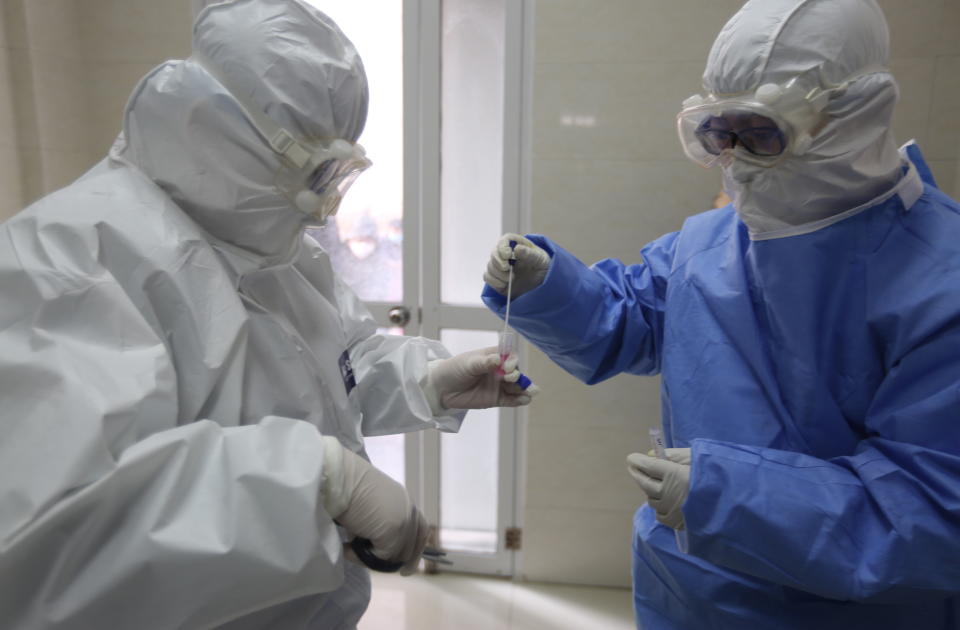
(346, 372)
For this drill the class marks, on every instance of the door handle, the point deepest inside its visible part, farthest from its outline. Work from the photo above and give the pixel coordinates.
(399, 316)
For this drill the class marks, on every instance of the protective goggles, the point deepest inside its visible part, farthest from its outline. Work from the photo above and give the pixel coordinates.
(317, 181)
(313, 175)
(760, 127)
(758, 135)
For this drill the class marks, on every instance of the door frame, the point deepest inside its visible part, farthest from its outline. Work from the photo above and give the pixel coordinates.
(422, 46)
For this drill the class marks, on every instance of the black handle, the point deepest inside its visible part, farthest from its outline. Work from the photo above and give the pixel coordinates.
(364, 550)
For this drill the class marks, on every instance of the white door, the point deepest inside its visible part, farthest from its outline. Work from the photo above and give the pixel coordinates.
(414, 233)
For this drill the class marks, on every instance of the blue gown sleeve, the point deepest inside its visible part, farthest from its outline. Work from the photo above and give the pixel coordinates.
(880, 525)
(595, 322)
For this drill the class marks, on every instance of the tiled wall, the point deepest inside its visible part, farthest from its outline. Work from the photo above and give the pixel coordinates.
(10, 168)
(123, 40)
(609, 176)
(66, 69)
(925, 42)
(46, 131)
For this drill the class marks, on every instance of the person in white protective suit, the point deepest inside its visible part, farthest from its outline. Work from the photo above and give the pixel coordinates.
(184, 382)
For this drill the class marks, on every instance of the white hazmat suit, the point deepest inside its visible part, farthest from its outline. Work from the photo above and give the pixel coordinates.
(173, 349)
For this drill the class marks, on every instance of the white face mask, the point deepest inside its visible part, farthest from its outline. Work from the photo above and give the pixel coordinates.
(742, 174)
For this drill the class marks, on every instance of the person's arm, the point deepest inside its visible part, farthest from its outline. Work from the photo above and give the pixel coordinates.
(595, 322)
(112, 515)
(882, 524)
(389, 370)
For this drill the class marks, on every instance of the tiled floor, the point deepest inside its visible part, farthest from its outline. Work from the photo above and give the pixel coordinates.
(460, 602)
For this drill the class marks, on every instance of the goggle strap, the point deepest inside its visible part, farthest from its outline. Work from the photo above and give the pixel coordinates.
(819, 96)
(284, 144)
(279, 139)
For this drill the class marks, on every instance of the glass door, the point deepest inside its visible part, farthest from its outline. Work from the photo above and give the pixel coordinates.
(478, 198)
(414, 233)
(372, 241)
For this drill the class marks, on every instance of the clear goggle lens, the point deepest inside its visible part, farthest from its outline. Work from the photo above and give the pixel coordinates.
(336, 175)
(330, 191)
(706, 134)
(318, 187)
(757, 134)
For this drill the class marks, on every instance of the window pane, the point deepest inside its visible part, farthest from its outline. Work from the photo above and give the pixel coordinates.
(386, 453)
(469, 466)
(471, 143)
(365, 239)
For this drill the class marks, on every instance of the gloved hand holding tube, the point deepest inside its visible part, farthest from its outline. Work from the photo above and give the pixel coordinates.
(528, 262)
(538, 261)
(506, 348)
(477, 379)
(664, 475)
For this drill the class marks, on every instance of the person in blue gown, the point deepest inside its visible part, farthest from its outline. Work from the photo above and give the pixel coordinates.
(808, 339)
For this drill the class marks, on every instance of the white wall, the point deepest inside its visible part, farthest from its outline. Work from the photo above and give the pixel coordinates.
(11, 197)
(609, 176)
(66, 70)
(122, 41)
(47, 133)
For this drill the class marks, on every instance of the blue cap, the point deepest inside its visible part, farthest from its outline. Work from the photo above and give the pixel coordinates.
(524, 382)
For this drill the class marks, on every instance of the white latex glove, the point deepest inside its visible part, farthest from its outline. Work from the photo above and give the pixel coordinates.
(528, 272)
(470, 381)
(666, 482)
(369, 504)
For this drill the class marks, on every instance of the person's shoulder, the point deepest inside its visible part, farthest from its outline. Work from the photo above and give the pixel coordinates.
(106, 217)
(703, 236)
(930, 229)
(711, 220)
(708, 230)
(931, 225)
(915, 270)
(120, 194)
(935, 200)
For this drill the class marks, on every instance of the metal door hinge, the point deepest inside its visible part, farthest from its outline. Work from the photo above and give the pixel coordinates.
(513, 538)
(432, 541)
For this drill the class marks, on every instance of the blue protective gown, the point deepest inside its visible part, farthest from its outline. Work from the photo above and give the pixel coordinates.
(817, 380)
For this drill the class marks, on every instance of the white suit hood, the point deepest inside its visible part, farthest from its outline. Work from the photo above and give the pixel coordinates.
(853, 159)
(188, 133)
